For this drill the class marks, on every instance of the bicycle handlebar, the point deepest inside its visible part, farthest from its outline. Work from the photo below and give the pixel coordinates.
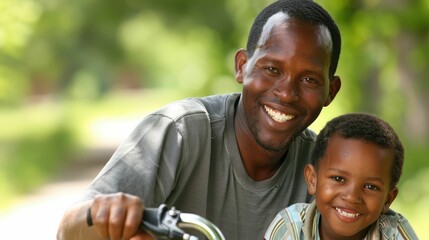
(167, 223)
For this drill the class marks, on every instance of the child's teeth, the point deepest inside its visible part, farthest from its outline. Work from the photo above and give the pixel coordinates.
(346, 214)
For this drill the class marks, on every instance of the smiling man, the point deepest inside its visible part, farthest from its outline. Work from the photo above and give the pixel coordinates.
(286, 82)
(235, 159)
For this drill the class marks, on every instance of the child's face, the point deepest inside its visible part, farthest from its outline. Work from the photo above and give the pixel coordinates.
(352, 187)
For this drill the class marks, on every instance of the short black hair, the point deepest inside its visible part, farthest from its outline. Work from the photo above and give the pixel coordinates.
(366, 127)
(306, 10)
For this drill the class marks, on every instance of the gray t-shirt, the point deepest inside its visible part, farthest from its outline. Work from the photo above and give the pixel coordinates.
(186, 155)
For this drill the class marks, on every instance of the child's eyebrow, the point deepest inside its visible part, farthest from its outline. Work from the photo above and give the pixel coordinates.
(378, 179)
(367, 178)
(334, 169)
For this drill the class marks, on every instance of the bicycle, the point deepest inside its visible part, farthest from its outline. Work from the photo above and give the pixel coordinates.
(165, 223)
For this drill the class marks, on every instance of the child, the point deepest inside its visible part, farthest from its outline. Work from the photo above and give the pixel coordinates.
(356, 165)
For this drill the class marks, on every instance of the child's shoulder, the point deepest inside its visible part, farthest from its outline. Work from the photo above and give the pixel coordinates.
(394, 224)
(392, 219)
(296, 212)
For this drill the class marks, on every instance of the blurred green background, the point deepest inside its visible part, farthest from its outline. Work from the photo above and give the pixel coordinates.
(67, 65)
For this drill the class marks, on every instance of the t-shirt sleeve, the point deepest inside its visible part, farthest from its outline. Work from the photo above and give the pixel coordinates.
(159, 155)
(145, 164)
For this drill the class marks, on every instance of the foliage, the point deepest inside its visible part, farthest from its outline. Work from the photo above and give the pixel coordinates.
(30, 160)
(88, 50)
(382, 61)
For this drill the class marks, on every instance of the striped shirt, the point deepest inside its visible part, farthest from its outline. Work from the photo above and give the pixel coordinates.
(301, 221)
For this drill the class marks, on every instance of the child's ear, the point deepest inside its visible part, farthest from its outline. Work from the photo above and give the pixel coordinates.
(311, 178)
(390, 198)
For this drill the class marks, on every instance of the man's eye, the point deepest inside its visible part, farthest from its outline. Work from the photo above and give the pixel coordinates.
(309, 80)
(272, 69)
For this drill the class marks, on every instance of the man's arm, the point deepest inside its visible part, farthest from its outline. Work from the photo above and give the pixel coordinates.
(73, 224)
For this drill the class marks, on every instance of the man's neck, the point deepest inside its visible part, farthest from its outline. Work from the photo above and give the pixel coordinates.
(259, 163)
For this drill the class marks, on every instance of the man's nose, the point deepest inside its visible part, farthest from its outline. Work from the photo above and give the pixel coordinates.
(286, 90)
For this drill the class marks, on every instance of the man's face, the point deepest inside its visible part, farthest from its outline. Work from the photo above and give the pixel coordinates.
(286, 82)
(352, 187)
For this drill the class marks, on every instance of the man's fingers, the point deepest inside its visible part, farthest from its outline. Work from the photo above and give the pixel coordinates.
(116, 222)
(101, 221)
(116, 216)
(132, 223)
(143, 236)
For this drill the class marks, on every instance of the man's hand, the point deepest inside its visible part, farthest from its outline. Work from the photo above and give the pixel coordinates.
(118, 216)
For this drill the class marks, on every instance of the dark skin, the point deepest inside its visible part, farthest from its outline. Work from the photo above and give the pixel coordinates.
(287, 78)
(352, 187)
(115, 216)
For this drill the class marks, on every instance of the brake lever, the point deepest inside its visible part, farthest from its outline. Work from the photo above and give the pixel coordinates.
(163, 223)
(167, 223)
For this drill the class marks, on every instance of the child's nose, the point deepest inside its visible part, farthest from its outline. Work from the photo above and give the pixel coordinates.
(352, 193)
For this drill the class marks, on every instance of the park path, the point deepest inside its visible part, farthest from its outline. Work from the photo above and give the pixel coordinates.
(37, 215)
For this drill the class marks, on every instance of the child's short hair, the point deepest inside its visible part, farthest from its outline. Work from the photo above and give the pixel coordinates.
(365, 127)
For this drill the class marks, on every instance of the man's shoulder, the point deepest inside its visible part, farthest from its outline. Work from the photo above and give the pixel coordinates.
(302, 147)
(219, 104)
(208, 106)
(307, 135)
(304, 142)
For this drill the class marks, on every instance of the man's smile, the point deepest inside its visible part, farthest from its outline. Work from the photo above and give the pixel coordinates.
(278, 116)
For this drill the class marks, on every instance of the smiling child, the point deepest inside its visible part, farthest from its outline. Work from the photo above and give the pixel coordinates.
(356, 166)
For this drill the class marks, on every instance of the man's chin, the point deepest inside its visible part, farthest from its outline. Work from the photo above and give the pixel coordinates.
(271, 147)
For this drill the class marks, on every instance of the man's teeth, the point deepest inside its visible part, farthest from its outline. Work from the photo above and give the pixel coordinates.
(278, 116)
(346, 214)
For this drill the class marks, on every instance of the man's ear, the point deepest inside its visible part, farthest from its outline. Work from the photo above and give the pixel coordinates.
(334, 88)
(311, 178)
(240, 63)
(390, 198)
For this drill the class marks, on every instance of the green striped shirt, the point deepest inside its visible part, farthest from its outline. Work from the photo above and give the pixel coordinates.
(301, 221)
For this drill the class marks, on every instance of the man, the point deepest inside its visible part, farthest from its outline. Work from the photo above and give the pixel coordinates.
(235, 159)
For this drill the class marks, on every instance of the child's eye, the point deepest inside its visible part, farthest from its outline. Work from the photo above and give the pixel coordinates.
(371, 187)
(338, 179)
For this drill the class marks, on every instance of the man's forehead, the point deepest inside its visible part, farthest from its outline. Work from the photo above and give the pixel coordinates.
(279, 19)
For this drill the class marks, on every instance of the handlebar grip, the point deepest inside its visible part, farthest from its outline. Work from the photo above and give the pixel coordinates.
(152, 220)
(150, 216)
